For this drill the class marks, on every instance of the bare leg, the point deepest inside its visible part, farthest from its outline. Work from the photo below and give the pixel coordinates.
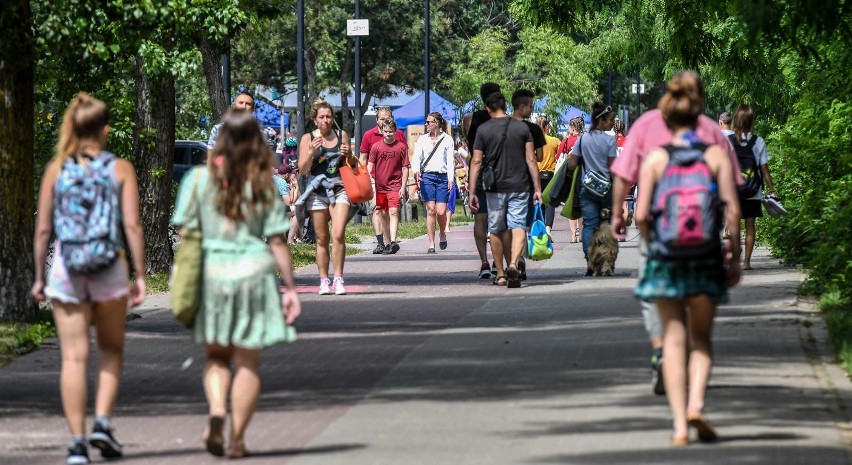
(244, 393)
(701, 313)
(500, 246)
(386, 226)
(72, 326)
(319, 218)
(441, 215)
(110, 319)
(339, 218)
(217, 378)
(480, 236)
(673, 316)
(519, 239)
(749, 242)
(430, 223)
(394, 223)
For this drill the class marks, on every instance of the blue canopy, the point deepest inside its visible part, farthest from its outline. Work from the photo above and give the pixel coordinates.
(412, 112)
(268, 115)
(566, 114)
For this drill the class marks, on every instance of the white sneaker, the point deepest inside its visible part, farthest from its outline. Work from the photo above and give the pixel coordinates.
(338, 286)
(324, 289)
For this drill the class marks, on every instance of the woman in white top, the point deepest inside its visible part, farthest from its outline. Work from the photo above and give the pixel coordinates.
(434, 169)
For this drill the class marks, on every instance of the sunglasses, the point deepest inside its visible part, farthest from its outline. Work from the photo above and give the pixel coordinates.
(605, 111)
(431, 121)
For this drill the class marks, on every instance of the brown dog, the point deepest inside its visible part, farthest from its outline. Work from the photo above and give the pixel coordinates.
(603, 247)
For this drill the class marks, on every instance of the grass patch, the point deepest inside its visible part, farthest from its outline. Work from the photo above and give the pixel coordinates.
(158, 282)
(20, 338)
(838, 317)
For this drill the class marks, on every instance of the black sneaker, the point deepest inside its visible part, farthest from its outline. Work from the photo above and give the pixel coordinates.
(103, 440)
(380, 249)
(78, 454)
(657, 375)
(522, 269)
(394, 247)
(485, 271)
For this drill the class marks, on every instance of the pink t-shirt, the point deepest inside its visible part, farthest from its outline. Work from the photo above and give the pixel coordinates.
(371, 136)
(650, 132)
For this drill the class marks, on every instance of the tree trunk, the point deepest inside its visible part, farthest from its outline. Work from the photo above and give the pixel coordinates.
(16, 161)
(210, 64)
(153, 151)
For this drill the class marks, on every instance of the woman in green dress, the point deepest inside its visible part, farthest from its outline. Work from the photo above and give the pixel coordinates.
(242, 309)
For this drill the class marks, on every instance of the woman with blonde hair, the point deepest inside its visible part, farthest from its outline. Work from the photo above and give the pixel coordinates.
(234, 202)
(687, 286)
(321, 152)
(88, 197)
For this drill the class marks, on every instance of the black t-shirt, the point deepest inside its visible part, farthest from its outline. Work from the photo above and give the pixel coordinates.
(537, 134)
(476, 119)
(510, 164)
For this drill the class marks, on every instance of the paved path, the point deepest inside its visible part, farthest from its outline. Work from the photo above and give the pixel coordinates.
(423, 363)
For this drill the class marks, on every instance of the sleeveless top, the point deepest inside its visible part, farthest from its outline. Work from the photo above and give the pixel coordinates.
(328, 160)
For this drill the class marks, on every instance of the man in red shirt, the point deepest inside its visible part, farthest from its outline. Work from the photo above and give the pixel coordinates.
(371, 136)
(649, 132)
(388, 164)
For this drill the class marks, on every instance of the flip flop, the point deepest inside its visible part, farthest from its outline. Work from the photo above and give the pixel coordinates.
(705, 430)
(513, 276)
(430, 250)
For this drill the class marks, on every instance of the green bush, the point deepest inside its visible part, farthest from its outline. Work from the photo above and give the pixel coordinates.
(838, 316)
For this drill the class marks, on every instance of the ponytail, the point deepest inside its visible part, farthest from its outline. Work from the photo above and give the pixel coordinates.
(83, 122)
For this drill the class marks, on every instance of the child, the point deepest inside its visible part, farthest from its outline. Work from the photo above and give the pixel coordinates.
(388, 164)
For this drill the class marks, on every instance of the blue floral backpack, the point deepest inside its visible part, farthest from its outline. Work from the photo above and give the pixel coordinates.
(86, 214)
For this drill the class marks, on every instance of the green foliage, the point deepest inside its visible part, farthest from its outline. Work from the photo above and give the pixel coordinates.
(837, 311)
(19, 338)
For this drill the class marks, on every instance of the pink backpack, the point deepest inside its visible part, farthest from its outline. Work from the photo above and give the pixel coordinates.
(686, 207)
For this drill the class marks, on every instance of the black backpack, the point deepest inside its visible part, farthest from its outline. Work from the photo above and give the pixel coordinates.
(750, 171)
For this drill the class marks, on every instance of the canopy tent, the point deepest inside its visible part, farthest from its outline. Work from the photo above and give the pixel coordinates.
(412, 112)
(566, 114)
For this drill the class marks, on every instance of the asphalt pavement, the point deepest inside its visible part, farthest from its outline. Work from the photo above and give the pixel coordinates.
(424, 363)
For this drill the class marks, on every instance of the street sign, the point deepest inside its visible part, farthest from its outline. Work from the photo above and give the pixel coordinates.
(633, 88)
(357, 27)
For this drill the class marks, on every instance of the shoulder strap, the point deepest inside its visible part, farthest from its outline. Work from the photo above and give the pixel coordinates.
(194, 205)
(429, 158)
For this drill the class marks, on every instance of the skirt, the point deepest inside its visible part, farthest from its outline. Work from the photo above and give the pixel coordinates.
(681, 278)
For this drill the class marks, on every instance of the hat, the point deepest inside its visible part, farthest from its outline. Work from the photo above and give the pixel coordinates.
(284, 169)
(290, 142)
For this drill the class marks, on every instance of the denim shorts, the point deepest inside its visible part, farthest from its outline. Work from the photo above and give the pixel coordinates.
(316, 201)
(109, 284)
(433, 188)
(507, 210)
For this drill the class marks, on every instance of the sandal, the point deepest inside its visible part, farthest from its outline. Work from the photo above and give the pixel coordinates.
(430, 250)
(577, 235)
(705, 430)
(514, 277)
(499, 281)
(237, 451)
(678, 441)
(214, 439)
(522, 269)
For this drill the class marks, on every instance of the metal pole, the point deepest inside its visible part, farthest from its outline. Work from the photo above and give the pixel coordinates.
(638, 94)
(426, 78)
(300, 69)
(358, 76)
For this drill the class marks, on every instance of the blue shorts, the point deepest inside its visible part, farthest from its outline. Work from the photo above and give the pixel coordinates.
(433, 188)
(507, 210)
(483, 203)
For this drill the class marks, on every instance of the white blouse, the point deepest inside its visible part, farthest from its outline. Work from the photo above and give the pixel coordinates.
(442, 162)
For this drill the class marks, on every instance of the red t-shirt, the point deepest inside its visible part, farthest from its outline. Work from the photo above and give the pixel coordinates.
(372, 136)
(388, 161)
(565, 146)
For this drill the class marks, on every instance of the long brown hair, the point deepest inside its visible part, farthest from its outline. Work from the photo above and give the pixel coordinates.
(684, 100)
(82, 125)
(743, 122)
(240, 158)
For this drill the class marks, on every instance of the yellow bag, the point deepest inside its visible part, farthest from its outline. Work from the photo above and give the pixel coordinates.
(188, 269)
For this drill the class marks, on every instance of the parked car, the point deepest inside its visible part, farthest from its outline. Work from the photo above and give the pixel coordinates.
(188, 153)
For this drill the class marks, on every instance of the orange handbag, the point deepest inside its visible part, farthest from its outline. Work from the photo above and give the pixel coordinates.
(356, 181)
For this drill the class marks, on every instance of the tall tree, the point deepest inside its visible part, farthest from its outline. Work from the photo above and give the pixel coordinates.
(16, 161)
